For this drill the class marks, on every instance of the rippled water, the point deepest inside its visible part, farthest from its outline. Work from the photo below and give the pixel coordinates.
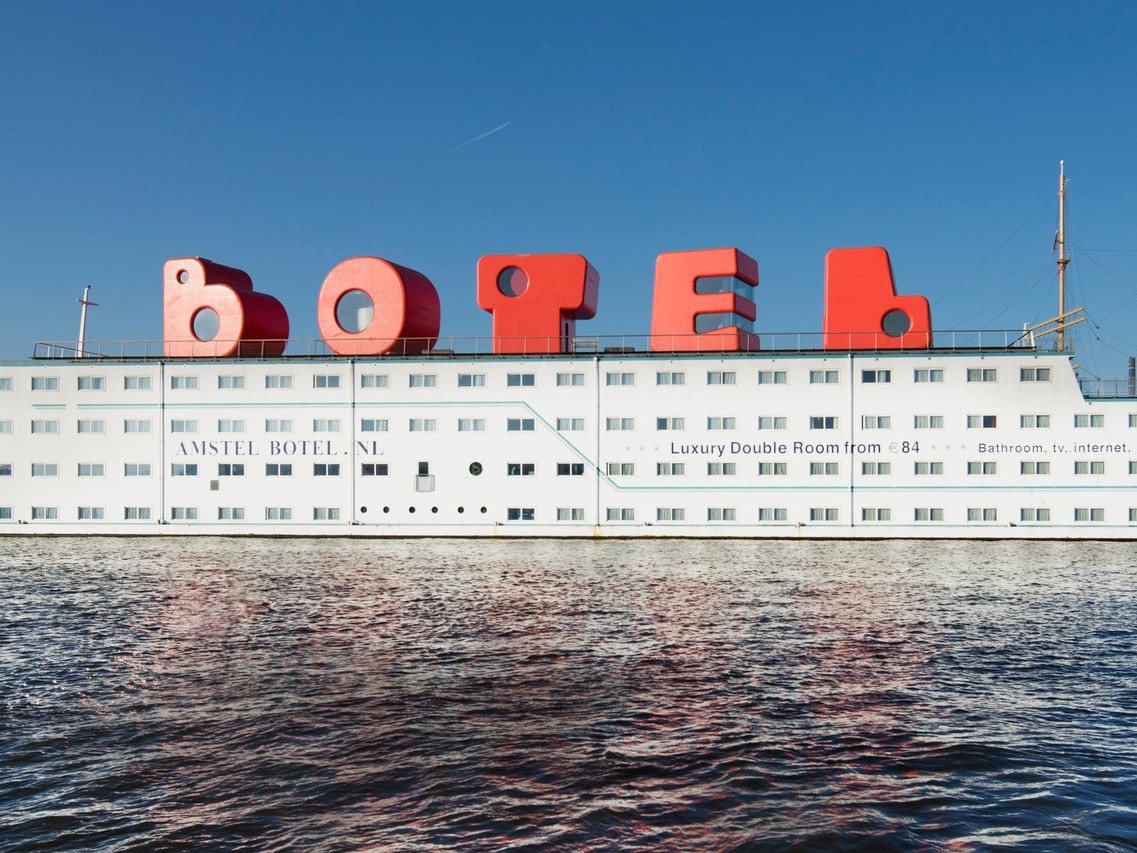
(334, 695)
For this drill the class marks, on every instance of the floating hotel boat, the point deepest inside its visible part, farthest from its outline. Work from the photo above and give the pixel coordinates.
(700, 429)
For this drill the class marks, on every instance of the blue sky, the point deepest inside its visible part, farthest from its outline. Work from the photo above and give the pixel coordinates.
(282, 138)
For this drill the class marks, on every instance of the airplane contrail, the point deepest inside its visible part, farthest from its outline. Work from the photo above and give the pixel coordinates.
(481, 136)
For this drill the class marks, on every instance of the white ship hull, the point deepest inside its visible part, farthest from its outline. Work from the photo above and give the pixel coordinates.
(1002, 444)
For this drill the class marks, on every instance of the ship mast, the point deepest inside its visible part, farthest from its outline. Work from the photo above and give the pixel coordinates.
(86, 303)
(1060, 243)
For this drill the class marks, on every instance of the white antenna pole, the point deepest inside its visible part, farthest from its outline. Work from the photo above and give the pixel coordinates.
(1060, 240)
(85, 302)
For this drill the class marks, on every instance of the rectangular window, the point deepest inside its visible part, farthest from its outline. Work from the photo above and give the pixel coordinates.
(520, 469)
(982, 514)
(616, 513)
(771, 377)
(828, 513)
(326, 380)
(1094, 467)
(570, 424)
(278, 381)
(183, 383)
(772, 469)
(767, 422)
(183, 513)
(1034, 421)
(45, 383)
(278, 469)
(826, 469)
(373, 425)
(1030, 513)
(876, 469)
(325, 469)
(230, 382)
(519, 425)
(929, 513)
(424, 380)
(614, 424)
(231, 469)
(928, 374)
(981, 421)
(374, 380)
(91, 426)
(621, 469)
(670, 377)
(230, 425)
(869, 513)
(772, 513)
(982, 374)
(716, 423)
(570, 379)
(619, 379)
(721, 513)
(823, 422)
(325, 513)
(91, 469)
(570, 469)
(1133, 421)
(136, 383)
(982, 468)
(1032, 468)
(824, 377)
(722, 469)
(1096, 513)
(278, 425)
(5, 383)
(278, 513)
(181, 425)
(567, 513)
(45, 469)
(876, 376)
(136, 513)
(876, 422)
(183, 469)
(1034, 374)
(230, 513)
(6, 427)
(929, 468)
(670, 423)
(91, 383)
(670, 469)
(471, 424)
(5, 469)
(928, 421)
(471, 380)
(135, 425)
(666, 513)
(373, 469)
(45, 513)
(1091, 421)
(1132, 467)
(519, 513)
(136, 469)
(519, 380)
(45, 427)
(325, 425)
(721, 377)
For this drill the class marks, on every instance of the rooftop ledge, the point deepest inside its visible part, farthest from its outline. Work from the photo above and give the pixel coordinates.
(645, 344)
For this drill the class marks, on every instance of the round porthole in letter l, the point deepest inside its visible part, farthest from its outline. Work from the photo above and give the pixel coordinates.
(475, 468)
(512, 281)
(896, 323)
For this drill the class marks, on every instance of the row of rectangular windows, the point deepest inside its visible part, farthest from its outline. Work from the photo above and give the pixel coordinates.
(713, 423)
(478, 380)
(613, 469)
(774, 514)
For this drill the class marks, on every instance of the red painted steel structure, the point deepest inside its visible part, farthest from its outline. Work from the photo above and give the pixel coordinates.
(859, 294)
(677, 303)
